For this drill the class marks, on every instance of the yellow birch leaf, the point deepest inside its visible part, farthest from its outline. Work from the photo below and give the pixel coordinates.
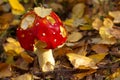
(17, 8)
(98, 57)
(79, 60)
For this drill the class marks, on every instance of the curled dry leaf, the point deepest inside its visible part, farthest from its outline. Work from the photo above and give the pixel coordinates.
(17, 8)
(74, 36)
(115, 15)
(25, 76)
(79, 61)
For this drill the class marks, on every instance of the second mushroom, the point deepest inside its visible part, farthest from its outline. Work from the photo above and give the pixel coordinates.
(41, 30)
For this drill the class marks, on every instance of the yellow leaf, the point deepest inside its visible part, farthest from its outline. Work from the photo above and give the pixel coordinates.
(115, 15)
(107, 38)
(17, 8)
(69, 22)
(98, 57)
(79, 60)
(105, 32)
(85, 27)
(97, 23)
(114, 76)
(14, 45)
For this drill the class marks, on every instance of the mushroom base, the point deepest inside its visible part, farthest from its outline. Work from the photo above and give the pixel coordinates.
(46, 59)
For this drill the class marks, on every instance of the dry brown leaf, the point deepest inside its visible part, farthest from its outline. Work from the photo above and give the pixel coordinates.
(100, 48)
(21, 64)
(115, 32)
(79, 60)
(3, 28)
(74, 37)
(5, 70)
(82, 75)
(26, 57)
(6, 18)
(25, 76)
(98, 57)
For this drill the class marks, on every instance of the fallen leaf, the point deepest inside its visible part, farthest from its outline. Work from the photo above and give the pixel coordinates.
(3, 28)
(74, 37)
(97, 57)
(85, 27)
(115, 32)
(114, 76)
(26, 57)
(97, 23)
(105, 32)
(25, 76)
(6, 18)
(17, 8)
(21, 64)
(100, 48)
(5, 70)
(78, 10)
(14, 45)
(115, 15)
(69, 22)
(82, 75)
(79, 60)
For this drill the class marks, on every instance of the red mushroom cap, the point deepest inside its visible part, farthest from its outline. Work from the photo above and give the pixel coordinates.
(48, 29)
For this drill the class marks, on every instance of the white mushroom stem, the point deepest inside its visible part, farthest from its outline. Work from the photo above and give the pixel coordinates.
(46, 59)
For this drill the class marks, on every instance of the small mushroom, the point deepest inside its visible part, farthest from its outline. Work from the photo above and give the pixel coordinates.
(42, 33)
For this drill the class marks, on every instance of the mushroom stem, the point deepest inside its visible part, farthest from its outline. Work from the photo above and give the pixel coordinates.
(46, 59)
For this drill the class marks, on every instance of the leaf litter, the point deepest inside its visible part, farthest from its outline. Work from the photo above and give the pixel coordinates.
(92, 49)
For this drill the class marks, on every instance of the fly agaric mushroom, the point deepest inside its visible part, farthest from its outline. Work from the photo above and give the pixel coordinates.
(42, 30)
